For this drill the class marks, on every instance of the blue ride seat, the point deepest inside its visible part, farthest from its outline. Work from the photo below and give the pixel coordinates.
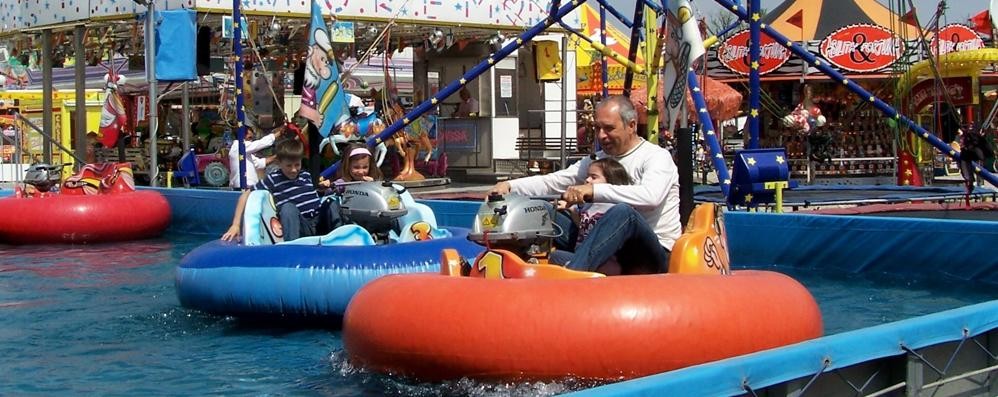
(187, 169)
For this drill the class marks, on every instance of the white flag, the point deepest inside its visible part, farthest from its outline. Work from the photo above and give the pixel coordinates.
(682, 47)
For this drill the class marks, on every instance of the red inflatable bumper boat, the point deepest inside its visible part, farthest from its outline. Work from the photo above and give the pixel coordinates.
(99, 204)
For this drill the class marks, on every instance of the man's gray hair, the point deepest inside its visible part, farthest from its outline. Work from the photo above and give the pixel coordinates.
(624, 107)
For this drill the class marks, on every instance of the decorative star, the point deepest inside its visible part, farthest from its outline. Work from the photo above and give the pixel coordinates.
(779, 159)
(720, 156)
(908, 172)
(750, 161)
(755, 17)
(457, 6)
(754, 112)
(906, 182)
(748, 198)
(755, 65)
(727, 181)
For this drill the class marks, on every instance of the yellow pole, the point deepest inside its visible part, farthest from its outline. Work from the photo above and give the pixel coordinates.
(778, 186)
(653, 57)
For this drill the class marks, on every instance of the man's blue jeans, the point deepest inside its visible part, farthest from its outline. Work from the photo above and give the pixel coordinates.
(621, 231)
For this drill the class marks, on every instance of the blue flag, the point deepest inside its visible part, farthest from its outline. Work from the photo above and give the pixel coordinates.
(323, 102)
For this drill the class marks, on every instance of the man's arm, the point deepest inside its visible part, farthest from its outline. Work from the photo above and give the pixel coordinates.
(237, 218)
(553, 183)
(260, 144)
(658, 176)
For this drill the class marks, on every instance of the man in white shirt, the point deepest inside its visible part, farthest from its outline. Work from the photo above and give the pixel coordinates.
(254, 164)
(469, 106)
(642, 226)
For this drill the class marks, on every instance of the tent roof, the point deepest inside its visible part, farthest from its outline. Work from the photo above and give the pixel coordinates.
(616, 40)
(822, 17)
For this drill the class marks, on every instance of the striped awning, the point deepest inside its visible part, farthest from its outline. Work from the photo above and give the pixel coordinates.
(819, 18)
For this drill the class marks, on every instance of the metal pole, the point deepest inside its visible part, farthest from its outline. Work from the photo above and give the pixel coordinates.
(564, 99)
(632, 52)
(153, 103)
(602, 57)
(47, 121)
(470, 75)
(606, 7)
(684, 160)
(80, 135)
(708, 133)
(754, 52)
(851, 85)
(237, 52)
(48, 137)
(185, 103)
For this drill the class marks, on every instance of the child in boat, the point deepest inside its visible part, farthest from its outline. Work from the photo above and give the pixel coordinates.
(605, 170)
(358, 165)
(294, 194)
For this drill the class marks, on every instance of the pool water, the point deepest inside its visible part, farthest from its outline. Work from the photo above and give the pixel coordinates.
(104, 320)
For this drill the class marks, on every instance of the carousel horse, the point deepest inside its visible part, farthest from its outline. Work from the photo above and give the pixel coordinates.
(412, 139)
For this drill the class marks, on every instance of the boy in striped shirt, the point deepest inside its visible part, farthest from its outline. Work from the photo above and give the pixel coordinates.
(294, 194)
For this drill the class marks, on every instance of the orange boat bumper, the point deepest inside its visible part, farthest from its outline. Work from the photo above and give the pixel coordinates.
(434, 327)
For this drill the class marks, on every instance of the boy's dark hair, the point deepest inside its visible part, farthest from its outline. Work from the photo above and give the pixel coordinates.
(344, 171)
(613, 171)
(290, 149)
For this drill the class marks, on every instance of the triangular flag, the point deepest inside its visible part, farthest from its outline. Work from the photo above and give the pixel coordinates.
(322, 101)
(797, 20)
(981, 23)
(910, 18)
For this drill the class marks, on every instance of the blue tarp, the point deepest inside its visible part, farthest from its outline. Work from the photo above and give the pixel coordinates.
(176, 35)
(931, 248)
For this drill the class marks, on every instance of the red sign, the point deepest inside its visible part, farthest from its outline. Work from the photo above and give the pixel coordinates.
(960, 90)
(734, 53)
(955, 37)
(862, 48)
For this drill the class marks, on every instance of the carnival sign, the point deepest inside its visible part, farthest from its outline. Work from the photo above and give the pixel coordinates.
(955, 37)
(959, 89)
(734, 53)
(862, 48)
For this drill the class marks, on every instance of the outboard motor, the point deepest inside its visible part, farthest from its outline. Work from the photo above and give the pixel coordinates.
(516, 223)
(43, 176)
(375, 206)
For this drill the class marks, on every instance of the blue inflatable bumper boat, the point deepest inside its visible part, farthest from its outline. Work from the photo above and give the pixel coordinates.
(312, 277)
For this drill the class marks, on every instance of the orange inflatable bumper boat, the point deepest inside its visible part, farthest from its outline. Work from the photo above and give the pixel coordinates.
(504, 319)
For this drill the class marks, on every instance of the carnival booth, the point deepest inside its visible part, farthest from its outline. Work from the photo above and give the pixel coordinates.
(830, 137)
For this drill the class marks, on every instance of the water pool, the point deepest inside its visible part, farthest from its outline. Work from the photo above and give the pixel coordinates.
(104, 320)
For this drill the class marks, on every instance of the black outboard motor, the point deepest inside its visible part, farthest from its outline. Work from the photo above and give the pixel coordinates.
(43, 176)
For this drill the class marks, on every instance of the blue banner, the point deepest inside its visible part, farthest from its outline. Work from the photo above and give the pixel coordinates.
(322, 101)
